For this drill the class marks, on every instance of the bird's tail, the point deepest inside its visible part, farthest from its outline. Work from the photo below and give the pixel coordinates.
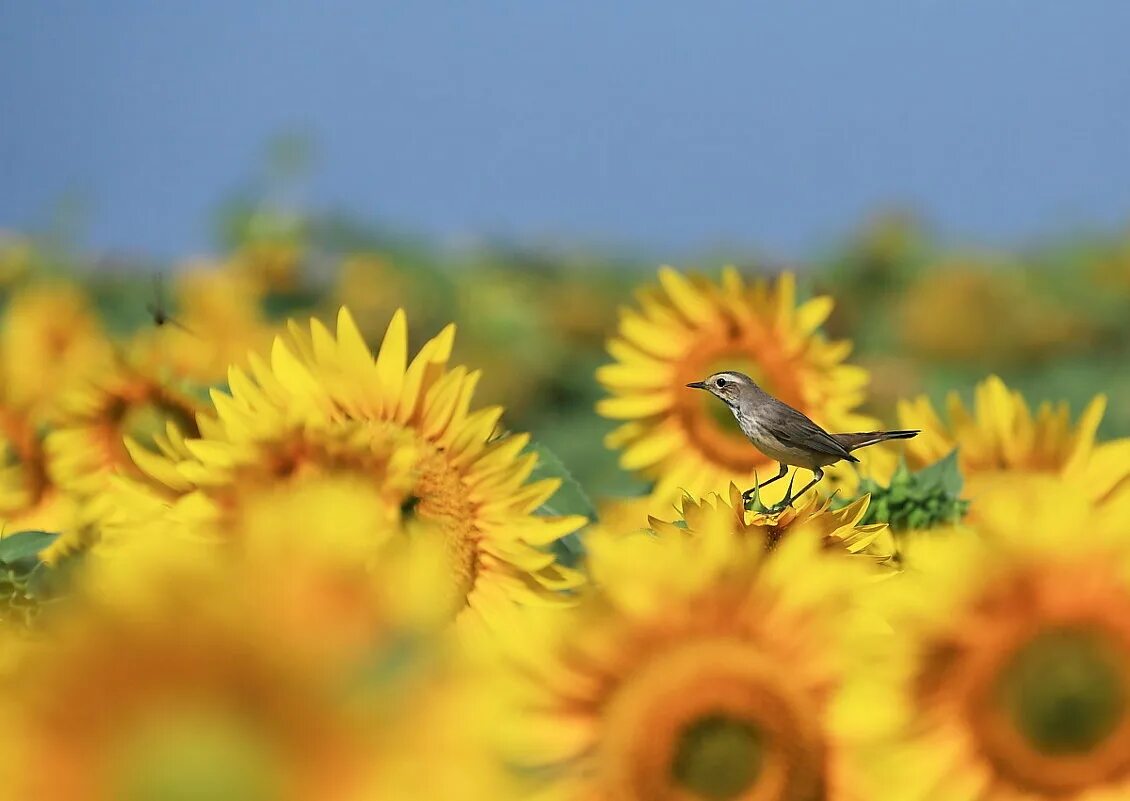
(853, 442)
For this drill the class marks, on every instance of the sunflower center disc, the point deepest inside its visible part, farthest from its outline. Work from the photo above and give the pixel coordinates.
(718, 757)
(1064, 692)
(144, 421)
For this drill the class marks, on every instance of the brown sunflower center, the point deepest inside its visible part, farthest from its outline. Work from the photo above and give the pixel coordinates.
(711, 720)
(440, 499)
(144, 421)
(1052, 718)
(1064, 691)
(718, 757)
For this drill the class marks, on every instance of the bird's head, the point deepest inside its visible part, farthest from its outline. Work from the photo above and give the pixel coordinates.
(728, 386)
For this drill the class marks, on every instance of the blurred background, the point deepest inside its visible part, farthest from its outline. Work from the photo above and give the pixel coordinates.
(957, 176)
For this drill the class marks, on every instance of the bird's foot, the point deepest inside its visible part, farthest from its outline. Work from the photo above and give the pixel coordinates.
(751, 499)
(752, 495)
(781, 506)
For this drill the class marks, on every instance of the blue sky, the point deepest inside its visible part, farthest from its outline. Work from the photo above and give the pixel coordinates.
(662, 125)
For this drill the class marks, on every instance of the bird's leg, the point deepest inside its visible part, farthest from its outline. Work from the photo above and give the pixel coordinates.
(817, 475)
(780, 506)
(749, 493)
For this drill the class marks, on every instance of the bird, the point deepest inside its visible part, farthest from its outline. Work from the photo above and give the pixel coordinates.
(784, 434)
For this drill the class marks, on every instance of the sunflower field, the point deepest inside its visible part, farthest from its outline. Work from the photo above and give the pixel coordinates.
(339, 515)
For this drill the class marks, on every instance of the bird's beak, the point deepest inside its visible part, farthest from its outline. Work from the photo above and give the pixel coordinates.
(696, 385)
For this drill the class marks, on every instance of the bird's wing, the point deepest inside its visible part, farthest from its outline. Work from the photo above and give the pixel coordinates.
(797, 431)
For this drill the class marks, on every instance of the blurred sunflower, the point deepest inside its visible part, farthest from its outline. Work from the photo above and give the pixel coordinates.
(1009, 677)
(28, 497)
(581, 307)
(50, 341)
(1005, 448)
(506, 335)
(814, 517)
(254, 694)
(87, 443)
(429, 703)
(325, 407)
(689, 328)
(699, 667)
(272, 265)
(217, 321)
(373, 287)
(956, 311)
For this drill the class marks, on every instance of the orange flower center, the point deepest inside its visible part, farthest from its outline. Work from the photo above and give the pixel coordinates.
(1039, 674)
(711, 721)
(718, 757)
(443, 503)
(140, 410)
(709, 422)
(1056, 709)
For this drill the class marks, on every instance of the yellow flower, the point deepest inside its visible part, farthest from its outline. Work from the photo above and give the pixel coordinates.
(325, 407)
(86, 445)
(51, 341)
(506, 335)
(373, 287)
(957, 311)
(581, 306)
(1008, 673)
(269, 265)
(813, 517)
(688, 328)
(180, 672)
(1006, 448)
(217, 321)
(700, 667)
(28, 498)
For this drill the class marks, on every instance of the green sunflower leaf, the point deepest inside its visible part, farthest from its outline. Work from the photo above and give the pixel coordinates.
(21, 548)
(570, 499)
(916, 500)
(944, 474)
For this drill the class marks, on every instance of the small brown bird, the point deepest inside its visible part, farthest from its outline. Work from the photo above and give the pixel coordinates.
(784, 434)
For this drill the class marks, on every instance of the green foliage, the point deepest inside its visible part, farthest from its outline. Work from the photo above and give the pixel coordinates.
(570, 499)
(917, 500)
(21, 549)
(23, 576)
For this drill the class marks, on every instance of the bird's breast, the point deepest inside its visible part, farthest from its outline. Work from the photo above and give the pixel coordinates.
(764, 440)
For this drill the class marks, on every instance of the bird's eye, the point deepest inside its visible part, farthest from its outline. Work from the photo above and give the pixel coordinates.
(721, 382)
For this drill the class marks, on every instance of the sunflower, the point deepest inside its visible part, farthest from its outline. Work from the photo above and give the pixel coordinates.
(87, 443)
(29, 499)
(217, 320)
(837, 528)
(374, 287)
(325, 407)
(1006, 448)
(1009, 677)
(700, 667)
(260, 691)
(50, 341)
(271, 265)
(688, 328)
(955, 311)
